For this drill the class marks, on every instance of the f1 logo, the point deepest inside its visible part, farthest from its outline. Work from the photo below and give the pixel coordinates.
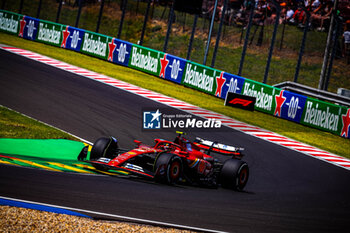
(240, 101)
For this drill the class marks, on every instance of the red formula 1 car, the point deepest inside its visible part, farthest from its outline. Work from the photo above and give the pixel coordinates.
(173, 162)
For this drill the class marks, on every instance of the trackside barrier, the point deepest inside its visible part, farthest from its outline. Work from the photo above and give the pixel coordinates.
(271, 100)
(145, 59)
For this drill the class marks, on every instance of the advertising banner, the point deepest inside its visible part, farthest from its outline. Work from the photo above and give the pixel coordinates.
(201, 78)
(264, 94)
(240, 101)
(9, 22)
(172, 68)
(326, 116)
(119, 51)
(28, 28)
(229, 83)
(345, 120)
(289, 105)
(145, 59)
(50, 33)
(95, 44)
(72, 38)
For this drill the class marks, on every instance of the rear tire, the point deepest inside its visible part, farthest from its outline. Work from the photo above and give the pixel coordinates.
(104, 147)
(168, 168)
(234, 174)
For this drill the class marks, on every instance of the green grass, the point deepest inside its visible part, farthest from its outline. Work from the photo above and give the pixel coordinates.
(15, 125)
(320, 139)
(283, 63)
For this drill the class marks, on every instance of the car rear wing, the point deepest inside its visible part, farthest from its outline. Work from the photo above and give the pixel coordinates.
(218, 147)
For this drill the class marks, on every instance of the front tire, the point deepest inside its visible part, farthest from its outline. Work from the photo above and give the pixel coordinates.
(104, 147)
(234, 174)
(168, 168)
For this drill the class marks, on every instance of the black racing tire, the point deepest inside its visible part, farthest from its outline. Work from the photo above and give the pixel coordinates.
(104, 147)
(168, 168)
(234, 174)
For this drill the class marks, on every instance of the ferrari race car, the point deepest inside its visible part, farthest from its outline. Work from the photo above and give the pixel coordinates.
(178, 161)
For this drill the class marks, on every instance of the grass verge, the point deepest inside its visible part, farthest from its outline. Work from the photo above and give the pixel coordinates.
(320, 139)
(15, 125)
(285, 54)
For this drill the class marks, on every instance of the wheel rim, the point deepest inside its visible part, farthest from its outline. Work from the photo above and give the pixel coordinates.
(243, 176)
(174, 170)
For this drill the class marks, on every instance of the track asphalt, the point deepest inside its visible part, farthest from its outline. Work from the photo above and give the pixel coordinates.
(287, 191)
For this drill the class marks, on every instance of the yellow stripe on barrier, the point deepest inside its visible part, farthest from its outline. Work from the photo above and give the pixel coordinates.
(107, 173)
(35, 164)
(69, 167)
(6, 162)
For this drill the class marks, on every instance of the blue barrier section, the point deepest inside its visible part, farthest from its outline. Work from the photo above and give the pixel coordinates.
(291, 104)
(233, 83)
(119, 51)
(40, 207)
(72, 38)
(172, 68)
(28, 28)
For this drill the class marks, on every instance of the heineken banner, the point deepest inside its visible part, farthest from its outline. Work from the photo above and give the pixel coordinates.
(119, 51)
(201, 77)
(172, 68)
(72, 38)
(28, 28)
(95, 44)
(326, 116)
(264, 94)
(9, 22)
(145, 59)
(50, 33)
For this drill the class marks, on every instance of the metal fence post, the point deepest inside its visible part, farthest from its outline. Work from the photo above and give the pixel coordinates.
(209, 34)
(100, 16)
(192, 36)
(79, 12)
(137, 7)
(246, 37)
(301, 52)
(170, 22)
(59, 11)
(144, 22)
(282, 37)
(122, 19)
(219, 34)
(278, 11)
(334, 50)
(20, 7)
(39, 9)
(321, 84)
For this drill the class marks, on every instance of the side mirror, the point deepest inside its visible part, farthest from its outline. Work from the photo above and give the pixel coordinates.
(138, 143)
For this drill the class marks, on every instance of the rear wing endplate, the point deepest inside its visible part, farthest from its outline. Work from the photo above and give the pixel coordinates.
(218, 147)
